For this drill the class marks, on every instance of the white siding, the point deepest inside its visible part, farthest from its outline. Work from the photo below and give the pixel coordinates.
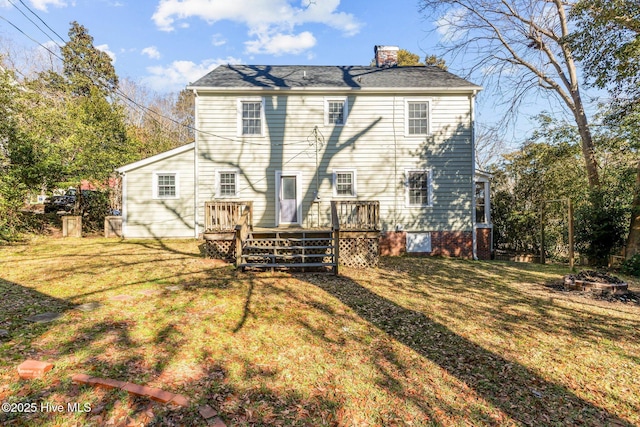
(149, 217)
(373, 142)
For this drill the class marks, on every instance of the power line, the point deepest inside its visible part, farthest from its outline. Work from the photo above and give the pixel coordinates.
(124, 96)
(31, 38)
(30, 20)
(40, 19)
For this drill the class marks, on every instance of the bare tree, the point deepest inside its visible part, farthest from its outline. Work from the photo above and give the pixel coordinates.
(490, 146)
(518, 46)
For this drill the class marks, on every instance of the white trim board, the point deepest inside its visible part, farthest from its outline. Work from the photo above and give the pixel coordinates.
(156, 158)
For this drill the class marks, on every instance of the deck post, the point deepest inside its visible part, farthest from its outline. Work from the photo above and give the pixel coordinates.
(335, 226)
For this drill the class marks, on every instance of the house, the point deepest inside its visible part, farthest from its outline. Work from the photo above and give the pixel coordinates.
(292, 139)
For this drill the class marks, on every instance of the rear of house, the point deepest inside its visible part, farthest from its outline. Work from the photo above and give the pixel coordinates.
(291, 139)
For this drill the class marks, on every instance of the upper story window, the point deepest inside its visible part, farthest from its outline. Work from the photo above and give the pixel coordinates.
(227, 184)
(165, 185)
(336, 110)
(251, 117)
(344, 183)
(419, 191)
(417, 117)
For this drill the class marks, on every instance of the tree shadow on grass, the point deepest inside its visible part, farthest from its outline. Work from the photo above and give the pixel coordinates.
(519, 392)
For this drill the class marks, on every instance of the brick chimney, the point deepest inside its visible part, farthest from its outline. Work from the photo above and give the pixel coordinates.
(386, 56)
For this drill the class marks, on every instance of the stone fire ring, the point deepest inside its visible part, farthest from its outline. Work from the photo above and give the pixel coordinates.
(595, 287)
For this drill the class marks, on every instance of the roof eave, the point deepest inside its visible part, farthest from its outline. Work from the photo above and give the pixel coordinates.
(161, 156)
(450, 89)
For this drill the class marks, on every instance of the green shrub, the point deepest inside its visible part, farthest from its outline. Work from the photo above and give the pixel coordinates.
(601, 224)
(631, 266)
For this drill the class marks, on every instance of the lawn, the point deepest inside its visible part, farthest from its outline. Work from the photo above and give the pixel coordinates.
(417, 341)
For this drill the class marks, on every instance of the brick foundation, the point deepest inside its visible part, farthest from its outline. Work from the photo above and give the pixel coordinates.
(443, 243)
(393, 243)
(483, 240)
(452, 244)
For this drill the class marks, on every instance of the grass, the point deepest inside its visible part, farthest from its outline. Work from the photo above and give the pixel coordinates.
(414, 342)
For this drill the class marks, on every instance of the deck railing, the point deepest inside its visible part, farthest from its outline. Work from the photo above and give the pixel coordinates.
(243, 229)
(357, 215)
(223, 216)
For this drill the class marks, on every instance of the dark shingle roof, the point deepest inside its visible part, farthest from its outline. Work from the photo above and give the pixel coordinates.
(347, 77)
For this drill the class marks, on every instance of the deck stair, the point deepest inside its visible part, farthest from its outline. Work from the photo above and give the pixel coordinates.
(289, 249)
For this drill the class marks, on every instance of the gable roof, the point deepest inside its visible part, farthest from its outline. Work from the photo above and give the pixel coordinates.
(156, 158)
(299, 77)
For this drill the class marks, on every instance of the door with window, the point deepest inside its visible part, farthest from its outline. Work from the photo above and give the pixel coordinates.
(288, 206)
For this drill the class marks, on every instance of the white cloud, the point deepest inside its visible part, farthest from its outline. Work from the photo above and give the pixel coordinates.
(44, 4)
(152, 52)
(448, 25)
(266, 19)
(218, 40)
(279, 44)
(178, 74)
(105, 49)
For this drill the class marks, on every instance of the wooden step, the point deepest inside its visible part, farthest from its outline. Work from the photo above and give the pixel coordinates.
(278, 265)
(287, 257)
(290, 248)
(289, 239)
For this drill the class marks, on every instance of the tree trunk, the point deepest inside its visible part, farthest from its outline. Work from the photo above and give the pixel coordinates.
(588, 150)
(633, 241)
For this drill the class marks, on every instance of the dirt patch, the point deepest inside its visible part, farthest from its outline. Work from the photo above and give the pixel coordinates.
(628, 298)
(596, 277)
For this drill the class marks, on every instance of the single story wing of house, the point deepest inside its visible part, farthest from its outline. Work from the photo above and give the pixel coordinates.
(293, 139)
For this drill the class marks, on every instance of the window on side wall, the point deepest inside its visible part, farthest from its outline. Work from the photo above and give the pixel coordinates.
(344, 183)
(418, 184)
(482, 202)
(417, 117)
(165, 185)
(336, 111)
(251, 117)
(227, 184)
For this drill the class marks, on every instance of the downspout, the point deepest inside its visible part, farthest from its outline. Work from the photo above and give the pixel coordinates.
(474, 238)
(196, 194)
(125, 210)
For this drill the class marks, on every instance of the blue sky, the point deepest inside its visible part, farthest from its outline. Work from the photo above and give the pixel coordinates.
(168, 43)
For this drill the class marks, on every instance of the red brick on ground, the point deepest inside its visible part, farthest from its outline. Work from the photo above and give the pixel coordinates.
(30, 369)
(207, 411)
(180, 400)
(138, 390)
(160, 395)
(81, 379)
(107, 383)
(153, 393)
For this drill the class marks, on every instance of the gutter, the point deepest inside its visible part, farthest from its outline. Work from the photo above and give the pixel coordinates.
(323, 90)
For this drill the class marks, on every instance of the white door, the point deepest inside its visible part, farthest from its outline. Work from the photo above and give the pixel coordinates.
(288, 199)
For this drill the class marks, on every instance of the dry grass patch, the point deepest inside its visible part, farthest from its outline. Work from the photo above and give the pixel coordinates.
(415, 342)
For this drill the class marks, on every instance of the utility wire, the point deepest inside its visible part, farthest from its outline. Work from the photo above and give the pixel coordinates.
(40, 19)
(31, 20)
(124, 96)
(31, 38)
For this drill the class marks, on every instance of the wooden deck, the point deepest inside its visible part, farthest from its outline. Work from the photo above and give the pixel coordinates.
(352, 239)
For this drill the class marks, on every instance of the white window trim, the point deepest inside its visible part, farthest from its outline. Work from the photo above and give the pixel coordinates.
(262, 116)
(354, 177)
(219, 182)
(407, 101)
(429, 172)
(156, 174)
(345, 111)
(487, 204)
